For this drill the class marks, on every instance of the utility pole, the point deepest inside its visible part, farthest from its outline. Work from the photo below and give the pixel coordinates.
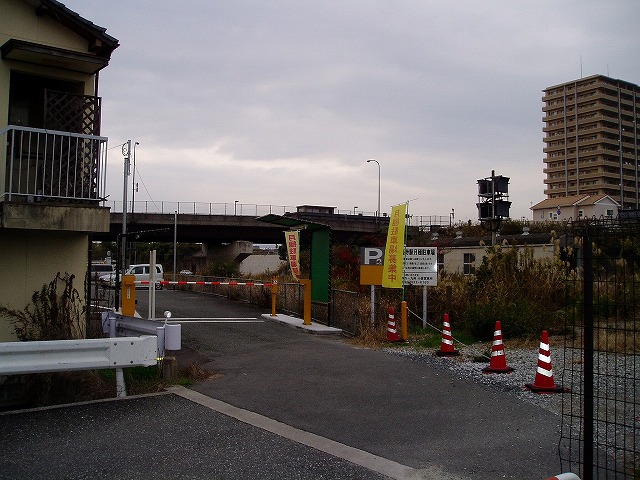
(126, 152)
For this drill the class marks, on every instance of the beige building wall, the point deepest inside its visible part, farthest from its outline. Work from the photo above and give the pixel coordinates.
(34, 250)
(34, 260)
(454, 256)
(19, 21)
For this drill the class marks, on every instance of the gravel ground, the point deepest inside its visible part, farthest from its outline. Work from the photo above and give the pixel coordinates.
(523, 361)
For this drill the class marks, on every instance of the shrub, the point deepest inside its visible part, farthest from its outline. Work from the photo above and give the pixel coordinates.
(50, 316)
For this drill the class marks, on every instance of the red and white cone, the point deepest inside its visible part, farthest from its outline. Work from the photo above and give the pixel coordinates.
(446, 345)
(392, 330)
(565, 476)
(544, 374)
(498, 362)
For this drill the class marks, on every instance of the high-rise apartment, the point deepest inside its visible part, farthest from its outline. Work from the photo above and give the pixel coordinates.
(591, 139)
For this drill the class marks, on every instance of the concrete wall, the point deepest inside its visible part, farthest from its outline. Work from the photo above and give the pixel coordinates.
(29, 260)
(257, 264)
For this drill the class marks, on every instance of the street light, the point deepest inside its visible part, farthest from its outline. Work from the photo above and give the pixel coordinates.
(374, 160)
(133, 179)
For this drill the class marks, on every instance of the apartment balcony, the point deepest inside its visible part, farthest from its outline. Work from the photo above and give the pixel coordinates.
(52, 180)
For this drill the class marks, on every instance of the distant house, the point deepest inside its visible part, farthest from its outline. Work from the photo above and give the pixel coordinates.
(315, 209)
(53, 159)
(464, 254)
(575, 207)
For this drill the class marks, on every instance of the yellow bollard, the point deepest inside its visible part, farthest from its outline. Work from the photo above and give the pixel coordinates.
(307, 300)
(128, 295)
(403, 307)
(274, 295)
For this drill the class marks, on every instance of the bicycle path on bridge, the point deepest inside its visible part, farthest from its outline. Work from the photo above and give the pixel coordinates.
(282, 403)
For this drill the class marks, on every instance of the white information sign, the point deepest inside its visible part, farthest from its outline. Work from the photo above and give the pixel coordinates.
(421, 266)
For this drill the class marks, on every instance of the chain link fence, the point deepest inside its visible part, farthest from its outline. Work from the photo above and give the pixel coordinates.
(600, 435)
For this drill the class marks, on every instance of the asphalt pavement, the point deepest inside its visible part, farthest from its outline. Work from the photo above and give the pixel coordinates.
(283, 403)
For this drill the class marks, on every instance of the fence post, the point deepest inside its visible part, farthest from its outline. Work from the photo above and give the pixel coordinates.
(587, 287)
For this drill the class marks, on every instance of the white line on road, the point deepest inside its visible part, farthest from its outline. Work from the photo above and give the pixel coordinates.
(216, 320)
(354, 455)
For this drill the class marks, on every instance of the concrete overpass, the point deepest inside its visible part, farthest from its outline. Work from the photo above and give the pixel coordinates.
(219, 229)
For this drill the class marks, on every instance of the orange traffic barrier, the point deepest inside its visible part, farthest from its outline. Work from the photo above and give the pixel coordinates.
(544, 382)
(392, 329)
(446, 345)
(498, 362)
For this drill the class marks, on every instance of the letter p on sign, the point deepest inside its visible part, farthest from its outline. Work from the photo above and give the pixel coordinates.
(371, 256)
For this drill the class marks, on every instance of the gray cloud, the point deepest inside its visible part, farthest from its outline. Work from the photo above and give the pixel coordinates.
(286, 100)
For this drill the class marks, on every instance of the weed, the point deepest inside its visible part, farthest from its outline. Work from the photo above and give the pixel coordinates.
(51, 315)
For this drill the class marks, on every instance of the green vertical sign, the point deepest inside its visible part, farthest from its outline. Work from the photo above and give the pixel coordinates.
(320, 260)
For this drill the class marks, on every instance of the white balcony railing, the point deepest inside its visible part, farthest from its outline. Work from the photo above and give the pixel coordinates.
(45, 165)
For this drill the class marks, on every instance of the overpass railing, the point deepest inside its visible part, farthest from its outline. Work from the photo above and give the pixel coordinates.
(201, 208)
(253, 210)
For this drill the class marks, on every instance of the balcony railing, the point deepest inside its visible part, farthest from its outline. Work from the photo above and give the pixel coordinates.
(47, 165)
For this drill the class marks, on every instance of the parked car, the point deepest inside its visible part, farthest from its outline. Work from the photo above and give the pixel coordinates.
(186, 272)
(100, 269)
(141, 273)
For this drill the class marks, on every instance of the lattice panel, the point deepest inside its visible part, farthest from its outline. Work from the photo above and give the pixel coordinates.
(75, 172)
(71, 113)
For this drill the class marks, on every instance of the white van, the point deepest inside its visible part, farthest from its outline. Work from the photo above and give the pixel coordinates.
(141, 272)
(100, 269)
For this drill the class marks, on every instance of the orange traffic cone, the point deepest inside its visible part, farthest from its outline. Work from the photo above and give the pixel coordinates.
(498, 359)
(446, 345)
(392, 331)
(544, 374)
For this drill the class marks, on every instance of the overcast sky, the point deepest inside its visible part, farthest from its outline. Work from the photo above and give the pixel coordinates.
(282, 102)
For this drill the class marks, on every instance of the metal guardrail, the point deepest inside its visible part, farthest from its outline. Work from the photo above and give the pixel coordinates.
(169, 335)
(86, 354)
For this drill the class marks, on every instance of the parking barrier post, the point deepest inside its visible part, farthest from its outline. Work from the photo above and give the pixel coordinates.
(274, 295)
(307, 300)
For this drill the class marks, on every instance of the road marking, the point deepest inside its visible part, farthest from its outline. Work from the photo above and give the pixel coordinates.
(354, 455)
(216, 320)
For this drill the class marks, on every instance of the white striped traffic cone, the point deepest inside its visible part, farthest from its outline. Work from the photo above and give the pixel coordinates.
(446, 345)
(565, 476)
(392, 330)
(498, 362)
(544, 374)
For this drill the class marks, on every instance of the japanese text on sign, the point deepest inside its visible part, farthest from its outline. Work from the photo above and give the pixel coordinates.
(421, 266)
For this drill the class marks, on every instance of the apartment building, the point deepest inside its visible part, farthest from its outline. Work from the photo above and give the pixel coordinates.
(53, 159)
(591, 139)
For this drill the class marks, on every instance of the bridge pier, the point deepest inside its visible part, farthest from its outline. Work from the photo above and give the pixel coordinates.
(232, 252)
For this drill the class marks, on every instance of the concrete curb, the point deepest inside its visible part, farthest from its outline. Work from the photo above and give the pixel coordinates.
(298, 323)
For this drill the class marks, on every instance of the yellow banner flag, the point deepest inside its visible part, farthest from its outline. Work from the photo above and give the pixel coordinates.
(293, 252)
(394, 250)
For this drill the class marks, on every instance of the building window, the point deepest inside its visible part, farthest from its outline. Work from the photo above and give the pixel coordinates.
(468, 265)
(609, 213)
